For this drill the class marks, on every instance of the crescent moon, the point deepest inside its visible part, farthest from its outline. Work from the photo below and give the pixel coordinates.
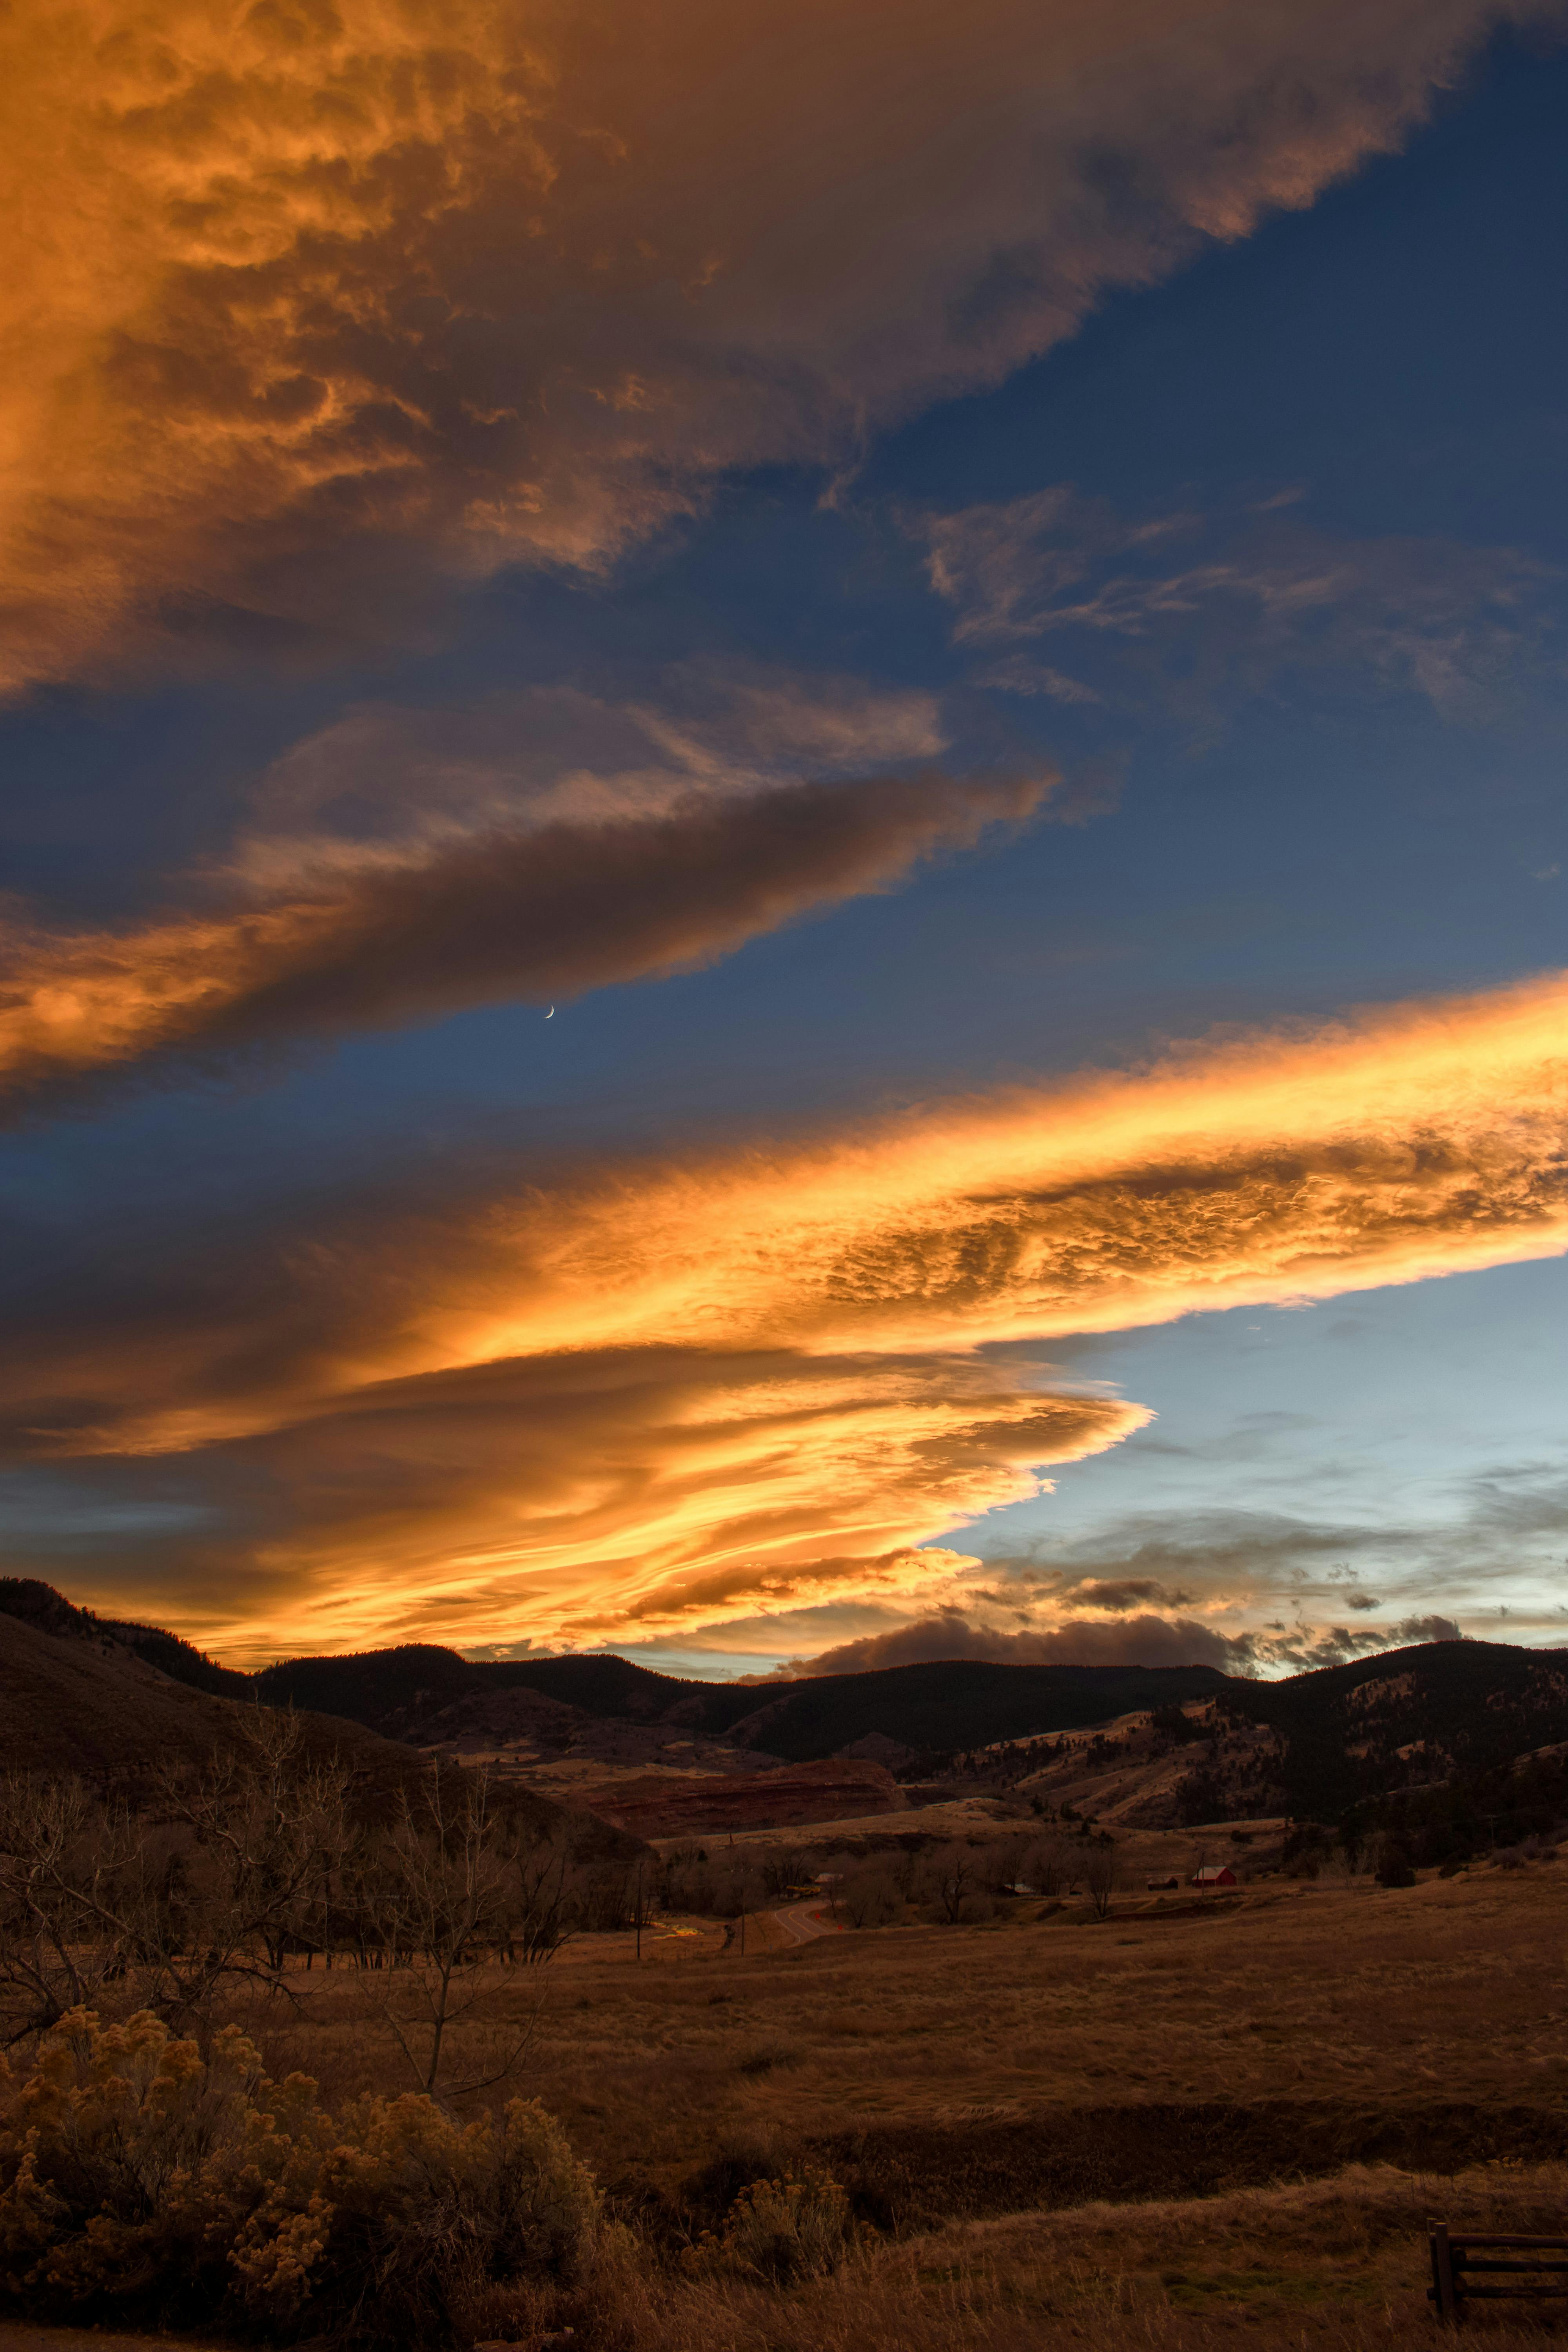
(551, 1015)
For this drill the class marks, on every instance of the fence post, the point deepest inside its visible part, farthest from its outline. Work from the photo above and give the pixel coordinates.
(1443, 2294)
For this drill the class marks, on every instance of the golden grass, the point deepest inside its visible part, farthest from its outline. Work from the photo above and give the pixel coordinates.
(1371, 2001)
(1329, 2264)
(965, 2082)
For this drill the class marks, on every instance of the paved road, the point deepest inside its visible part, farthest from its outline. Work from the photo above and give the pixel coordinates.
(804, 1922)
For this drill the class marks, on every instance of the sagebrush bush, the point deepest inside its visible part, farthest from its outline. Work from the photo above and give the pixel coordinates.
(139, 2181)
(798, 2227)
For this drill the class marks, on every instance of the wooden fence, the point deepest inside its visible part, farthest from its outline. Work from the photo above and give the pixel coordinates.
(1469, 2266)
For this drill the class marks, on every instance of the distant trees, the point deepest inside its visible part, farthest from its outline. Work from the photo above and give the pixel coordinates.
(870, 1897)
(259, 1863)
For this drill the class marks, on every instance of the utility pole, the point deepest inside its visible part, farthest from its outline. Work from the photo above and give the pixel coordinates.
(638, 1919)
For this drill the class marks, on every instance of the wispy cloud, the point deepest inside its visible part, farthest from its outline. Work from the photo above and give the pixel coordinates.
(392, 782)
(1186, 612)
(659, 1396)
(317, 305)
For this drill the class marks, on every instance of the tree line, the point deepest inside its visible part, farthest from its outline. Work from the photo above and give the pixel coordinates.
(262, 1864)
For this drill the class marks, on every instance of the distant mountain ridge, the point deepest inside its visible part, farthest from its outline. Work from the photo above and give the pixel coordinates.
(927, 1710)
(1314, 1745)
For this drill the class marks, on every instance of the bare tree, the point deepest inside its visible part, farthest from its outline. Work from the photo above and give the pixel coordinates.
(83, 1900)
(450, 1889)
(218, 1882)
(1099, 1878)
(955, 1883)
(544, 1901)
(268, 1832)
(870, 1897)
(1046, 1866)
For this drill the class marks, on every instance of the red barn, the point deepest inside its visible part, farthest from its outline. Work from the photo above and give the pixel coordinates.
(1215, 1873)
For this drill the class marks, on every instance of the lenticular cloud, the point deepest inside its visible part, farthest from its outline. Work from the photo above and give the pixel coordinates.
(750, 1381)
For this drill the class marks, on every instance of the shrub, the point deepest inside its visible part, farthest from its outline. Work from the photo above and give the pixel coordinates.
(799, 2227)
(140, 2182)
(1393, 1865)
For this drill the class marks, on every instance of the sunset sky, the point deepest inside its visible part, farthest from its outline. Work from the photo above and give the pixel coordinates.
(978, 597)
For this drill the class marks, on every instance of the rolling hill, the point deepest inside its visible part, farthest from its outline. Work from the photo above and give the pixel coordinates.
(1440, 1731)
(76, 1696)
(1406, 1718)
(1315, 1745)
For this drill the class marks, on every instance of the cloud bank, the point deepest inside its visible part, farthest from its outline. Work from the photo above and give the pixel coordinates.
(666, 1395)
(319, 303)
(1142, 1640)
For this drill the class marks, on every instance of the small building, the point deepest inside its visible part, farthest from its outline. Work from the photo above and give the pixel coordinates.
(1214, 1874)
(1162, 1886)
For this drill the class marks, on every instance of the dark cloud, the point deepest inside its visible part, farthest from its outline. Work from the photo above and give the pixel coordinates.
(536, 914)
(1431, 1627)
(1126, 1592)
(1141, 1641)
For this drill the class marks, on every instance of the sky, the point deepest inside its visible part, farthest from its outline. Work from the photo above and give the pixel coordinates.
(783, 855)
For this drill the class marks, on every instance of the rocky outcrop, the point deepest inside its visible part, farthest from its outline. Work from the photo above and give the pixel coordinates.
(662, 1805)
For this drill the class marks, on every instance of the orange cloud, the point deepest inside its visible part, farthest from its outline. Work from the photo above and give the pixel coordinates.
(307, 303)
(616, 1495)
(389, 935)
(662, 1395)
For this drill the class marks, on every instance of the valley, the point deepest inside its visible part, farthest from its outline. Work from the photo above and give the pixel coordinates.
(968, 2006)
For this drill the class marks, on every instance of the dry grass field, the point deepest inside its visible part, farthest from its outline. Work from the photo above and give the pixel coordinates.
(1363, 1998)
(1165, 2129)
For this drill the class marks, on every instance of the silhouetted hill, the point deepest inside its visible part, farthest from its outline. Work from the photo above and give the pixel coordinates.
(956, 1704)
(381, 1688)
(928, 1709)
(1406, 1718)
(39, 1604)
(85, 1694)
(83, 1703)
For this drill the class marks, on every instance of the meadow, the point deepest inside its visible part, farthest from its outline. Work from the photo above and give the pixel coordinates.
(1158, 2128)
(1364, 2001)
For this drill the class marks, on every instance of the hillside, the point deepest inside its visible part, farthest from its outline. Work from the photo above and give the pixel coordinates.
(81, 1699)
(69, 1704)
(1406, 1718)
(952, 1704)
(1438, 1725)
